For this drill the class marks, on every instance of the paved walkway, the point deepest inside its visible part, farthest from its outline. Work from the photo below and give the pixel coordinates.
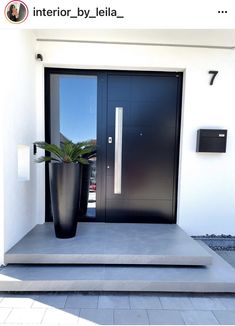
(114, 308)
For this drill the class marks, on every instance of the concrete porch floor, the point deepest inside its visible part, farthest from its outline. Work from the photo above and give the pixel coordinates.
(218, 277)
(110, 243)
(105, 259)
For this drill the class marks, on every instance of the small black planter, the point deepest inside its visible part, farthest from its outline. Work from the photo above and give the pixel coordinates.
(65, 187)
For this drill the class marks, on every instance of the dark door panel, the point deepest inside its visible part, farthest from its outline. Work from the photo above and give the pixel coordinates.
(150, 105)
(139, 211)
(145, 173)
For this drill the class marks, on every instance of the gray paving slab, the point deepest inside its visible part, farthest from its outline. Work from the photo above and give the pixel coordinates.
(207, 303)
(228, 302)
(82, 301)
(61, 316)
(225, 317)
(145, 301)
(99, 316)
(4, 313)
(25, 316)
(110, 243)
(218, 277)
(130, 317)
(17, 301)
(115, 301)
(49, 300)
(17, 324)
(199, 317)
(165, 317)
(173, 302)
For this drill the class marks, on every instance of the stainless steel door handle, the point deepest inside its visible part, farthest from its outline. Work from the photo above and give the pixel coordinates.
(118, 150)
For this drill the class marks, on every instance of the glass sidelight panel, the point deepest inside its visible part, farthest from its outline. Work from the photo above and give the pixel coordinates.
(78, 107)
(74, 117)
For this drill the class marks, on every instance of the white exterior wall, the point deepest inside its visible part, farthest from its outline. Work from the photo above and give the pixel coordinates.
(18, 201)
(1, 183)
(206, 194)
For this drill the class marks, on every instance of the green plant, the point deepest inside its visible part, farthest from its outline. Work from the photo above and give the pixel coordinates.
(67, 152)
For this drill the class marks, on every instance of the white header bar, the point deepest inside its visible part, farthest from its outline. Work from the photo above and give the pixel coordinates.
(144, 14)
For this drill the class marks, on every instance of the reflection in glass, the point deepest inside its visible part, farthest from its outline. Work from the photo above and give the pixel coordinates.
(78, 119)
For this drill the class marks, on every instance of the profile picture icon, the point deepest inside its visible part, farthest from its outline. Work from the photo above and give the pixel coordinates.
(16, 12)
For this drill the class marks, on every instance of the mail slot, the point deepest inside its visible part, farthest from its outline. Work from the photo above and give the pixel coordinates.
(211, 140)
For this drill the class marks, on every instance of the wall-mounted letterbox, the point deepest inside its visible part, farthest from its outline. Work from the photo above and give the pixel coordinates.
(211, 140)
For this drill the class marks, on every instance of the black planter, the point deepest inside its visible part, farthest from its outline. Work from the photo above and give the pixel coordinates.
(85, 176)
(65, 187)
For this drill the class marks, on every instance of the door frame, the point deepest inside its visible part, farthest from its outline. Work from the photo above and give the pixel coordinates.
(102, 95)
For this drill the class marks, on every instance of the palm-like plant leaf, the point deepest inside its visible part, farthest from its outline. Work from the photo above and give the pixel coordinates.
(83, 161)
(87, 150)
(67, 152)
(45, 159)
(51, 148)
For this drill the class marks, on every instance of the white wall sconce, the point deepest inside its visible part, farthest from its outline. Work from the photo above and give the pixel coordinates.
(23, 152)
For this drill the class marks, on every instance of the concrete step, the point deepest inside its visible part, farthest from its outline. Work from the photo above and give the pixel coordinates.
(110, 243)
(218, 277)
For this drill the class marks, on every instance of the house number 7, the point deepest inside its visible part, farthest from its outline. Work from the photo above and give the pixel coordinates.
(213, 73)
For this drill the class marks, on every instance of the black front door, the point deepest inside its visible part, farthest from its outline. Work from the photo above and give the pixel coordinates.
(142, 147)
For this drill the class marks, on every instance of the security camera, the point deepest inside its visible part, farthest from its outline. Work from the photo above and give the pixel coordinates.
(39, 57)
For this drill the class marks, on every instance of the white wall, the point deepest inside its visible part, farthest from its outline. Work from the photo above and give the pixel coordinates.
(19, 211)
(206, 201)
(1, 184)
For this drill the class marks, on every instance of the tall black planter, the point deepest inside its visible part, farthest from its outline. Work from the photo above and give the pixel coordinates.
(65, 187)
(86, 173)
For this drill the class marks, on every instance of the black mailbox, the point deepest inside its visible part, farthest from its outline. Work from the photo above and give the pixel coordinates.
(211, 140)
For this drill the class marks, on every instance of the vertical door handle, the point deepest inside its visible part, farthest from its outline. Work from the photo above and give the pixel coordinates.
(118, 150)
